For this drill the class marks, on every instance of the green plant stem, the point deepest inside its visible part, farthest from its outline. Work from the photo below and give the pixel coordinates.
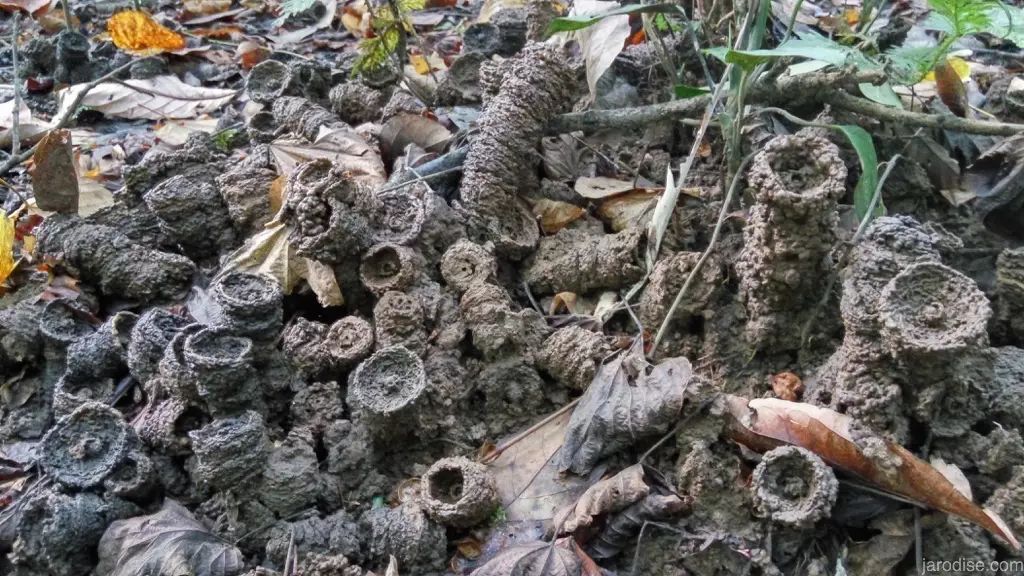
(792, 21)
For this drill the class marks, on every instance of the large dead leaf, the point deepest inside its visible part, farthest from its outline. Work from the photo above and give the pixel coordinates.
(534, 559)
(175, 132)
(170, 541)
(628, 210)
(602, 42)
(624, 527)
(343, 146)
(54, 181)
(270, 253)
(157, 98)
(528, 481)
(764, 423)
(136, 32)
(29, 129)
(330, 9)
(627, 401)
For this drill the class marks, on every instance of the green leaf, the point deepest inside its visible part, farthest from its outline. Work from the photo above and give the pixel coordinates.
(883, 94)
(684, 91)
(811, 46)
(374, 52)
(865, 190)
(663, 24)
(909, 64)
(1008, 23)
(745, 59)
(570, 23)
(963, 17)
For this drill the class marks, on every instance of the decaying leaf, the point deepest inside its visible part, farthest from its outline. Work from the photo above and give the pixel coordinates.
(951, 88)
(623, 528)
(628, 210)
(175, 132)
(54, 181)
(598, 187)
(136, 32)
(404, 129)
(7, 261)
(392, 567)
(529, 484)
(602, 42)
(270, 253)
(29, 129)
(155, 98)
(206, 6)
(764, 423)
(628, 400)
(563, 301)
(534, 559)
(603, 498)
(330, 9)
(554, 215)
(30, 6)
(658, 224)
(344, 147)
(170, 541)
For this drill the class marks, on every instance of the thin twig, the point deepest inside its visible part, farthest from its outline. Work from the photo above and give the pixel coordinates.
(865, 107)
(707, 252)
(16, 117)
(418, 179)
(68, 114)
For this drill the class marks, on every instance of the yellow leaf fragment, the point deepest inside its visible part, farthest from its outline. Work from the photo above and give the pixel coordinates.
(7, 262)
(961, 66)
(135, 31)
(420, 64)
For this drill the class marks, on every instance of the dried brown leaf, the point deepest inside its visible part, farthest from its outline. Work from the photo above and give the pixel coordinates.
(628, 400)
(600, 187)
(54, 181)
(603, 498)
(764, 423)
(529, 484)
(628, 210)
(534, 559)
(30, 6)
(343, 146)
(554, 215)
(622, 530)
(170, 541)
(951, 88)
(157, 98)
(404, 129)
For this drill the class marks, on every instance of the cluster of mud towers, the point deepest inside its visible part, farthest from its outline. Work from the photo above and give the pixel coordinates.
(277, 423)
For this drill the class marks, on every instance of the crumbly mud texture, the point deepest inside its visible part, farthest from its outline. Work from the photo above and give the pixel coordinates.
(537, 86)
(458, 492)
(349, 341)
(317, 405)
(931, 309)
(407, 534)
(572, 355)
(198, 158)
(303, 116)
(797, 183)
(290, 477)
(793, 486)
(399, 322)
(667, 279)
(302, 342)
(248, 211)
(248, 305)
(355, 103)
(389, 266)
(229, 451)
(498, 330)
(575, 261)
(57, 533)
(330, 214)
(271, 80)
(135, 479)
(385, 389)
(466, 263)
(1010, 292)
(191, 213)
(115, 264)
(338, 533)
(220, 367)
(149, 338)
(85, 446)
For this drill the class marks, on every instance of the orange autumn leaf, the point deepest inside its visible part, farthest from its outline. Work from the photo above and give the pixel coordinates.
(137, 32)
(951, 88)
(765, 423)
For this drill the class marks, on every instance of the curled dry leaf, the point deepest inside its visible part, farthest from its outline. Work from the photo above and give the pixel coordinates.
(7, 261)
(29, 129)
(764, 423)
(601, 43)
(787, 386)
(624, 527)
(599, 187)
(170, 541)
(607, 496)
(54, 181)
(535, 559)
(157, 98)
(951, 88)
(628, 400)
(30, 6)
(136, 32)
(554, 215)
